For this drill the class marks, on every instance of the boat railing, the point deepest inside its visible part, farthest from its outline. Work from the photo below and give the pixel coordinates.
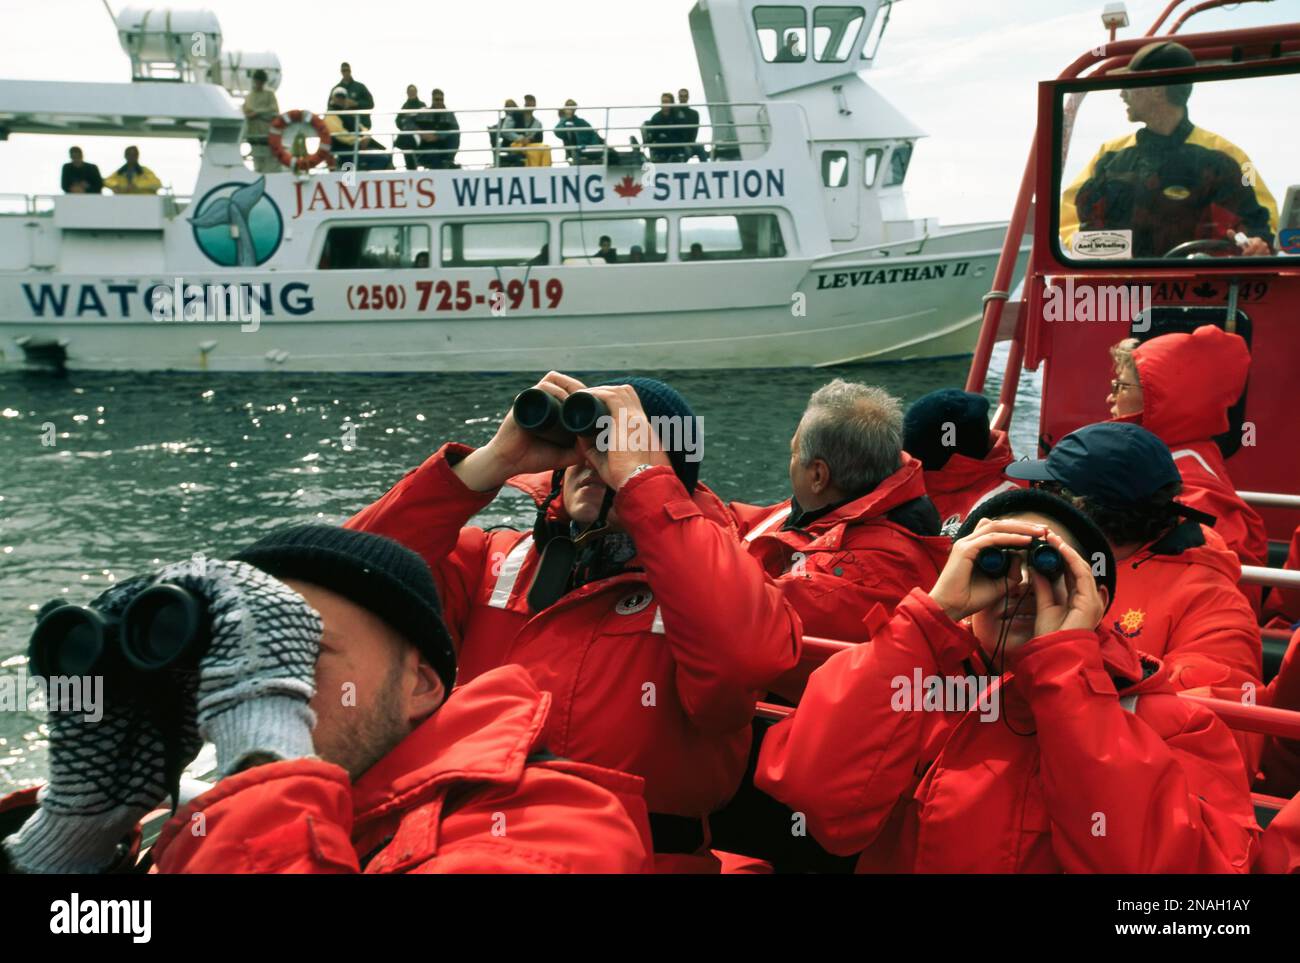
(726, 131)
(27, 205)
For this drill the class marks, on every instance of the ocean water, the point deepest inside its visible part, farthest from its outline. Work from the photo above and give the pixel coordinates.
(103, 476)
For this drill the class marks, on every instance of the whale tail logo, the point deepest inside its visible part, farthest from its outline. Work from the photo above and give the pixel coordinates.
(234, 212)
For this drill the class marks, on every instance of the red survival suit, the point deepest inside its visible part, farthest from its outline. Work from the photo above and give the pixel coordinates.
(471, 790)
(654, 671)
(1095, 765)
(964, 482)
(1189, 381)
(843, 563)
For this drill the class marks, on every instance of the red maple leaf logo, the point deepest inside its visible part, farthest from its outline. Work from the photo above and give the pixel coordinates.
(627, 187)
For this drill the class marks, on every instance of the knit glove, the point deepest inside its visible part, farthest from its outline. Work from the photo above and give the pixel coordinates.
(260, 669)
(107, 773)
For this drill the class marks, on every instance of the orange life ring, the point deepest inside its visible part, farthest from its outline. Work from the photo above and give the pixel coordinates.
(275, 140)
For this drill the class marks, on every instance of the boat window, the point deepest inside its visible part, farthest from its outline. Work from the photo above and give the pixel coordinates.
(386, 246)
(835, 168)
(782, 34)
(648, 235)
(835, 30)
(871, 165)
(723, 237)
(877, 32)
(491, 243)
(1173, 171)
(899, 158)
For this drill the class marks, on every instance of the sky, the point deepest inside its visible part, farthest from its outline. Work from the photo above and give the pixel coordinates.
(965, 72)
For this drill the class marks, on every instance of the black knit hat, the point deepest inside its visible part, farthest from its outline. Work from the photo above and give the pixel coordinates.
(926, 427)
(377, 573)
(661, 400)
(1025, 500)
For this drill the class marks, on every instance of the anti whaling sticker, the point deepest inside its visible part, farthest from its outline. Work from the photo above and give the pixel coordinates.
(1102, 244)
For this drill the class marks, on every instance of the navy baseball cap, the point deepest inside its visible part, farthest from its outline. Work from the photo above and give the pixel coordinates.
(1117, 464)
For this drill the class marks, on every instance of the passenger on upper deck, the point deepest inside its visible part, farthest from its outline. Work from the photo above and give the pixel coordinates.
(690, 135)
(654, 632)
(80, 177)
(605, 252)
(948, 430)
(1176, 593)
(357, 95)
(661, 135)
(997, 725)
(407, 123)
(582, 145)
(439, 134)
(858, 529)
(347, 132)
(1179, 387)
(260, 108)
(133, 177)
(1169, 182)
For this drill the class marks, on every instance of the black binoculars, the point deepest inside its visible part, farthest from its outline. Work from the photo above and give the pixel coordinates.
(995, 560)
(543, 415)
(163, 627)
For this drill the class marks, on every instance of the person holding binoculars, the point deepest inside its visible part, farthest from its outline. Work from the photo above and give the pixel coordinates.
(318, 664)
(1092, 764)
(631, 600)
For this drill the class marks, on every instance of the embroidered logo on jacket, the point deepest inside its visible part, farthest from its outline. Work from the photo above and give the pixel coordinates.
(1129, 624)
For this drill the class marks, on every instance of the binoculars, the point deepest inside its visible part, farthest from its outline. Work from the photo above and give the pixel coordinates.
(543, 415)
(163, 627)
(995, 560)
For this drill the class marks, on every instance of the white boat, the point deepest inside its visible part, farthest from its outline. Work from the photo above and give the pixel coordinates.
(807, 255)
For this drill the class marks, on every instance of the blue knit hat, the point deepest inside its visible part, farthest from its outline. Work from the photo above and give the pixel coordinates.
(661, 400)
(925, 427)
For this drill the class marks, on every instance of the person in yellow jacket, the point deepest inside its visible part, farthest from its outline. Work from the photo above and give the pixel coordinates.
(1171, 181)
(133, 177)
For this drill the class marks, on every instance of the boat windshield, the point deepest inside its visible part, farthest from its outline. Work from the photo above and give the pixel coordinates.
(1179, 170)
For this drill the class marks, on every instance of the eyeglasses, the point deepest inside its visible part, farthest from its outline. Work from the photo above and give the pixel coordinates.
(1117, 384)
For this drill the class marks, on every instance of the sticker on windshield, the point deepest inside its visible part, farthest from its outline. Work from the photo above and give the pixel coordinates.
(1101, 244)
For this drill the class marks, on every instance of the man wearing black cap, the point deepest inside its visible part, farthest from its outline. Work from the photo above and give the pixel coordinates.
(963, 458)
(1176, 592)
(326, 696)
(996, 725)
(1170, 182)
(631, 600)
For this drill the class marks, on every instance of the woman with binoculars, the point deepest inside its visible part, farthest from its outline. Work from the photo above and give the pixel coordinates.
(1092, 764)
(631, 600)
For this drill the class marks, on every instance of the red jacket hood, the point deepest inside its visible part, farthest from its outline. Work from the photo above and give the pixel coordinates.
(1188, 383)
(537, 486)
(962, 471)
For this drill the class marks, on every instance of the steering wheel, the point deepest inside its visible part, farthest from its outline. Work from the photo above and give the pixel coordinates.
(1209, 245)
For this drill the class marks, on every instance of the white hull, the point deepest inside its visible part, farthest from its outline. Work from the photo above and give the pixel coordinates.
(743, 314)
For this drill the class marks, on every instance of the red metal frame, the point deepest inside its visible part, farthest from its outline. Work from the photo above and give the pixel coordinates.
(1074, 392)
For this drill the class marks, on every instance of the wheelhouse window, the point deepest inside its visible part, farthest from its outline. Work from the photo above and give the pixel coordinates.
(385, 246)
(631, 239)
(726, 237)
(899, 158)
(835, 30)
(496, 243)
(1162, 172)
(782, 34)
(835, 168)
(871, 165)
